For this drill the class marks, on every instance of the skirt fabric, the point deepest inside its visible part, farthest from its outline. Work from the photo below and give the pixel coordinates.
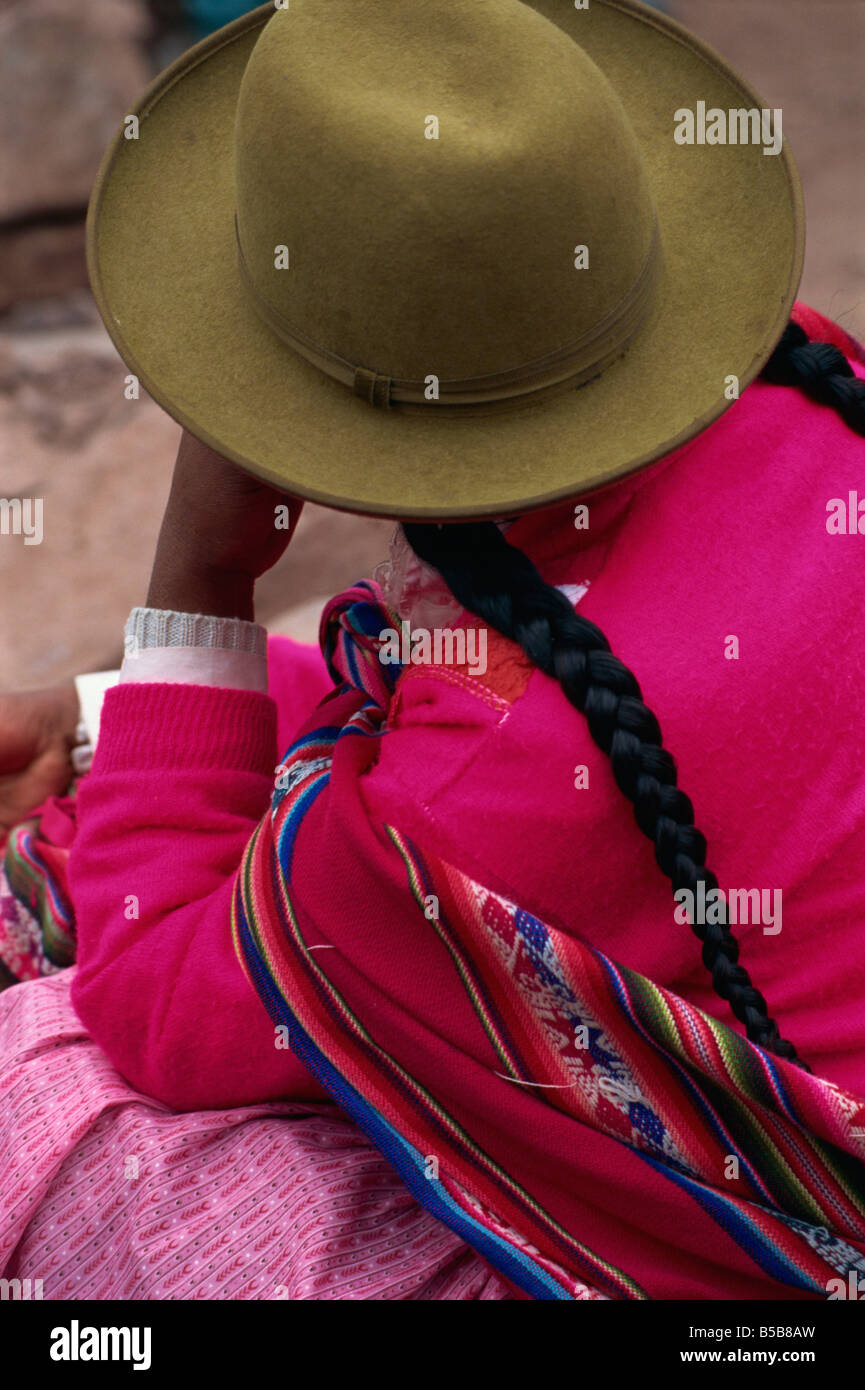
(106, 1194)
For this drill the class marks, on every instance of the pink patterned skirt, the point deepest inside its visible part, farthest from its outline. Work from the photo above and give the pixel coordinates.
(107, 1194)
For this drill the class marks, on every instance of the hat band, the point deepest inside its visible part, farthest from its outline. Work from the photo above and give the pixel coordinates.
(574, 364)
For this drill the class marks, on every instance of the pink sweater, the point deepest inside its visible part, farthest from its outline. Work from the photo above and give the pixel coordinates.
(726, 539)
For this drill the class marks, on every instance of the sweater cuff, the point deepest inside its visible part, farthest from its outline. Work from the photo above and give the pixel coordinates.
(149, 727)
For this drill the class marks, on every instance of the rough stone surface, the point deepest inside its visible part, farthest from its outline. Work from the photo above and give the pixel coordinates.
(41, 261)
(68, 73)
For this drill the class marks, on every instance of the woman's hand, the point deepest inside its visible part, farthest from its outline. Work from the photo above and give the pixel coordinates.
(37, 732)
(219, 534)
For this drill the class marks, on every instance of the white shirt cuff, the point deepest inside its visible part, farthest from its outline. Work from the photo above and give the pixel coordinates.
(91, 687)
(197, 666)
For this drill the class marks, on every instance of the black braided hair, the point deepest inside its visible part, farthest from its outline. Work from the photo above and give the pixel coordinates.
(500, 584)
(820, 370)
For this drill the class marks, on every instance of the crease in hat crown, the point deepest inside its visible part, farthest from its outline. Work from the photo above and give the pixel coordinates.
(453, 259)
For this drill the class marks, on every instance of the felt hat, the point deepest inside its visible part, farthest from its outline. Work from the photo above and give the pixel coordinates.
(436, 259)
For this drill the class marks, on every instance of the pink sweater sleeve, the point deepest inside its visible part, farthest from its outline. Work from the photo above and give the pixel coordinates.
(297, 679)
(182, 776)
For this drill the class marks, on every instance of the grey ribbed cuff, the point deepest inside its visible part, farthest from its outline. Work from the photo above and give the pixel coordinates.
(161, 627)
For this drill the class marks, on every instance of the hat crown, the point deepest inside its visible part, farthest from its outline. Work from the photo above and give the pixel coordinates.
(413, 182)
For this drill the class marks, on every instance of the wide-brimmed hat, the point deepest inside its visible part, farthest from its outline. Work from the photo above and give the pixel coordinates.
(450, 259)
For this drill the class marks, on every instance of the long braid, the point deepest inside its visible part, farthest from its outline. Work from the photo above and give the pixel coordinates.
(820, 370)
(500, 584)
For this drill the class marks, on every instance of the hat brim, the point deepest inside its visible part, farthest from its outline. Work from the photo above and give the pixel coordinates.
(162, 259)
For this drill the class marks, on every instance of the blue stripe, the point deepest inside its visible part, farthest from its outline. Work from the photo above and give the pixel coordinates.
(511, 1262)
(743, 1231)
(291, 826)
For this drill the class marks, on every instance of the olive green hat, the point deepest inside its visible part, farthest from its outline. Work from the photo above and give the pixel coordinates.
(446, 258)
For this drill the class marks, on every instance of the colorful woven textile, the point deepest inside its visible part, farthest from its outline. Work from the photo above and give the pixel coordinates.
(590, 1134)
(37, 924)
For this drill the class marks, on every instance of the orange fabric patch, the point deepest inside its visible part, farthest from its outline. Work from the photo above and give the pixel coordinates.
(507, 673)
